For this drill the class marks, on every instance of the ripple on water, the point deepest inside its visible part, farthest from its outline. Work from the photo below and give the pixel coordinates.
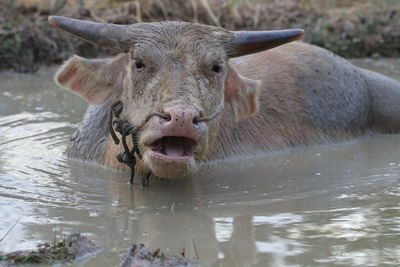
(324, 206)
(33, 170)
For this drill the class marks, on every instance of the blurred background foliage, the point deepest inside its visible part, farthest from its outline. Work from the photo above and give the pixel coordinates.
(350, 28)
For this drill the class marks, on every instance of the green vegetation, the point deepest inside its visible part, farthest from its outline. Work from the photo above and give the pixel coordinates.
(68, 249)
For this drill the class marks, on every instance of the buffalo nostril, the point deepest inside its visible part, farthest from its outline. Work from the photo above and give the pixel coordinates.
(165, 116)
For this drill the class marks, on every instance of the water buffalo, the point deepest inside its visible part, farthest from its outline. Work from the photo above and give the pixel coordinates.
(202, 93)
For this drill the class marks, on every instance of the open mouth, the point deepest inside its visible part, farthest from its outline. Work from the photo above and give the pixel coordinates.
(173, 147)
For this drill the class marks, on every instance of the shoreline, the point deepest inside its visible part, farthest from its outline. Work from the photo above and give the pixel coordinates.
(365, 28)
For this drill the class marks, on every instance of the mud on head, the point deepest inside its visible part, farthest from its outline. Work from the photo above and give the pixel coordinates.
(179, 69)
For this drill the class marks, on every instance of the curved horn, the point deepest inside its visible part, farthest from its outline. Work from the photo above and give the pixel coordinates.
(109, 35)
(248, 42)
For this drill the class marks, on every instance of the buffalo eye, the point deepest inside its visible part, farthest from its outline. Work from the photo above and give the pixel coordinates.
(139, 64)
(217, 68)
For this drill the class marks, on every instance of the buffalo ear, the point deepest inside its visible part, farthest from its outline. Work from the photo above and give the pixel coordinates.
(242, 93)
(93, 79)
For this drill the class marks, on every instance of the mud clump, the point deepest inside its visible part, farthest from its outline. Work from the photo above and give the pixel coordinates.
(140, 256)
(73, 247)
(350, 28)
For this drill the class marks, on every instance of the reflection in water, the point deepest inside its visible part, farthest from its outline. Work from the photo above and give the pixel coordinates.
(321, 206)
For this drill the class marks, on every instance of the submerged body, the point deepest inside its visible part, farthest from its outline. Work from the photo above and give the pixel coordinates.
(296, 94)
(308, 96)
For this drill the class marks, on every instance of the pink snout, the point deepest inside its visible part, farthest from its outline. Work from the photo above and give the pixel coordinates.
(178, 135)
(173, 143)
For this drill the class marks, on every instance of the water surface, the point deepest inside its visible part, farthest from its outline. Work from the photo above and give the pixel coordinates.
(334, 205)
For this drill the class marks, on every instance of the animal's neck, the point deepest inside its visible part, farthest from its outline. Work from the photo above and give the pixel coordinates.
(89, 140)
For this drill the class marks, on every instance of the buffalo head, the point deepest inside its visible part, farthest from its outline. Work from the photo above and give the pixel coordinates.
(175, 68)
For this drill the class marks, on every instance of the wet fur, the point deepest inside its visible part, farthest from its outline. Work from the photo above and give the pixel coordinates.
(308, 96)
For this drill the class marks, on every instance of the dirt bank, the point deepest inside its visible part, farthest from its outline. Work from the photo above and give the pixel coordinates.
(357, 28)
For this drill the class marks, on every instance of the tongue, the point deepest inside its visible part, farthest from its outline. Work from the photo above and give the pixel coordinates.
(174, 148)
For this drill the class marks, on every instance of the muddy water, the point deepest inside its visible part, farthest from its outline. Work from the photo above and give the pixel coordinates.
(319, 206)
